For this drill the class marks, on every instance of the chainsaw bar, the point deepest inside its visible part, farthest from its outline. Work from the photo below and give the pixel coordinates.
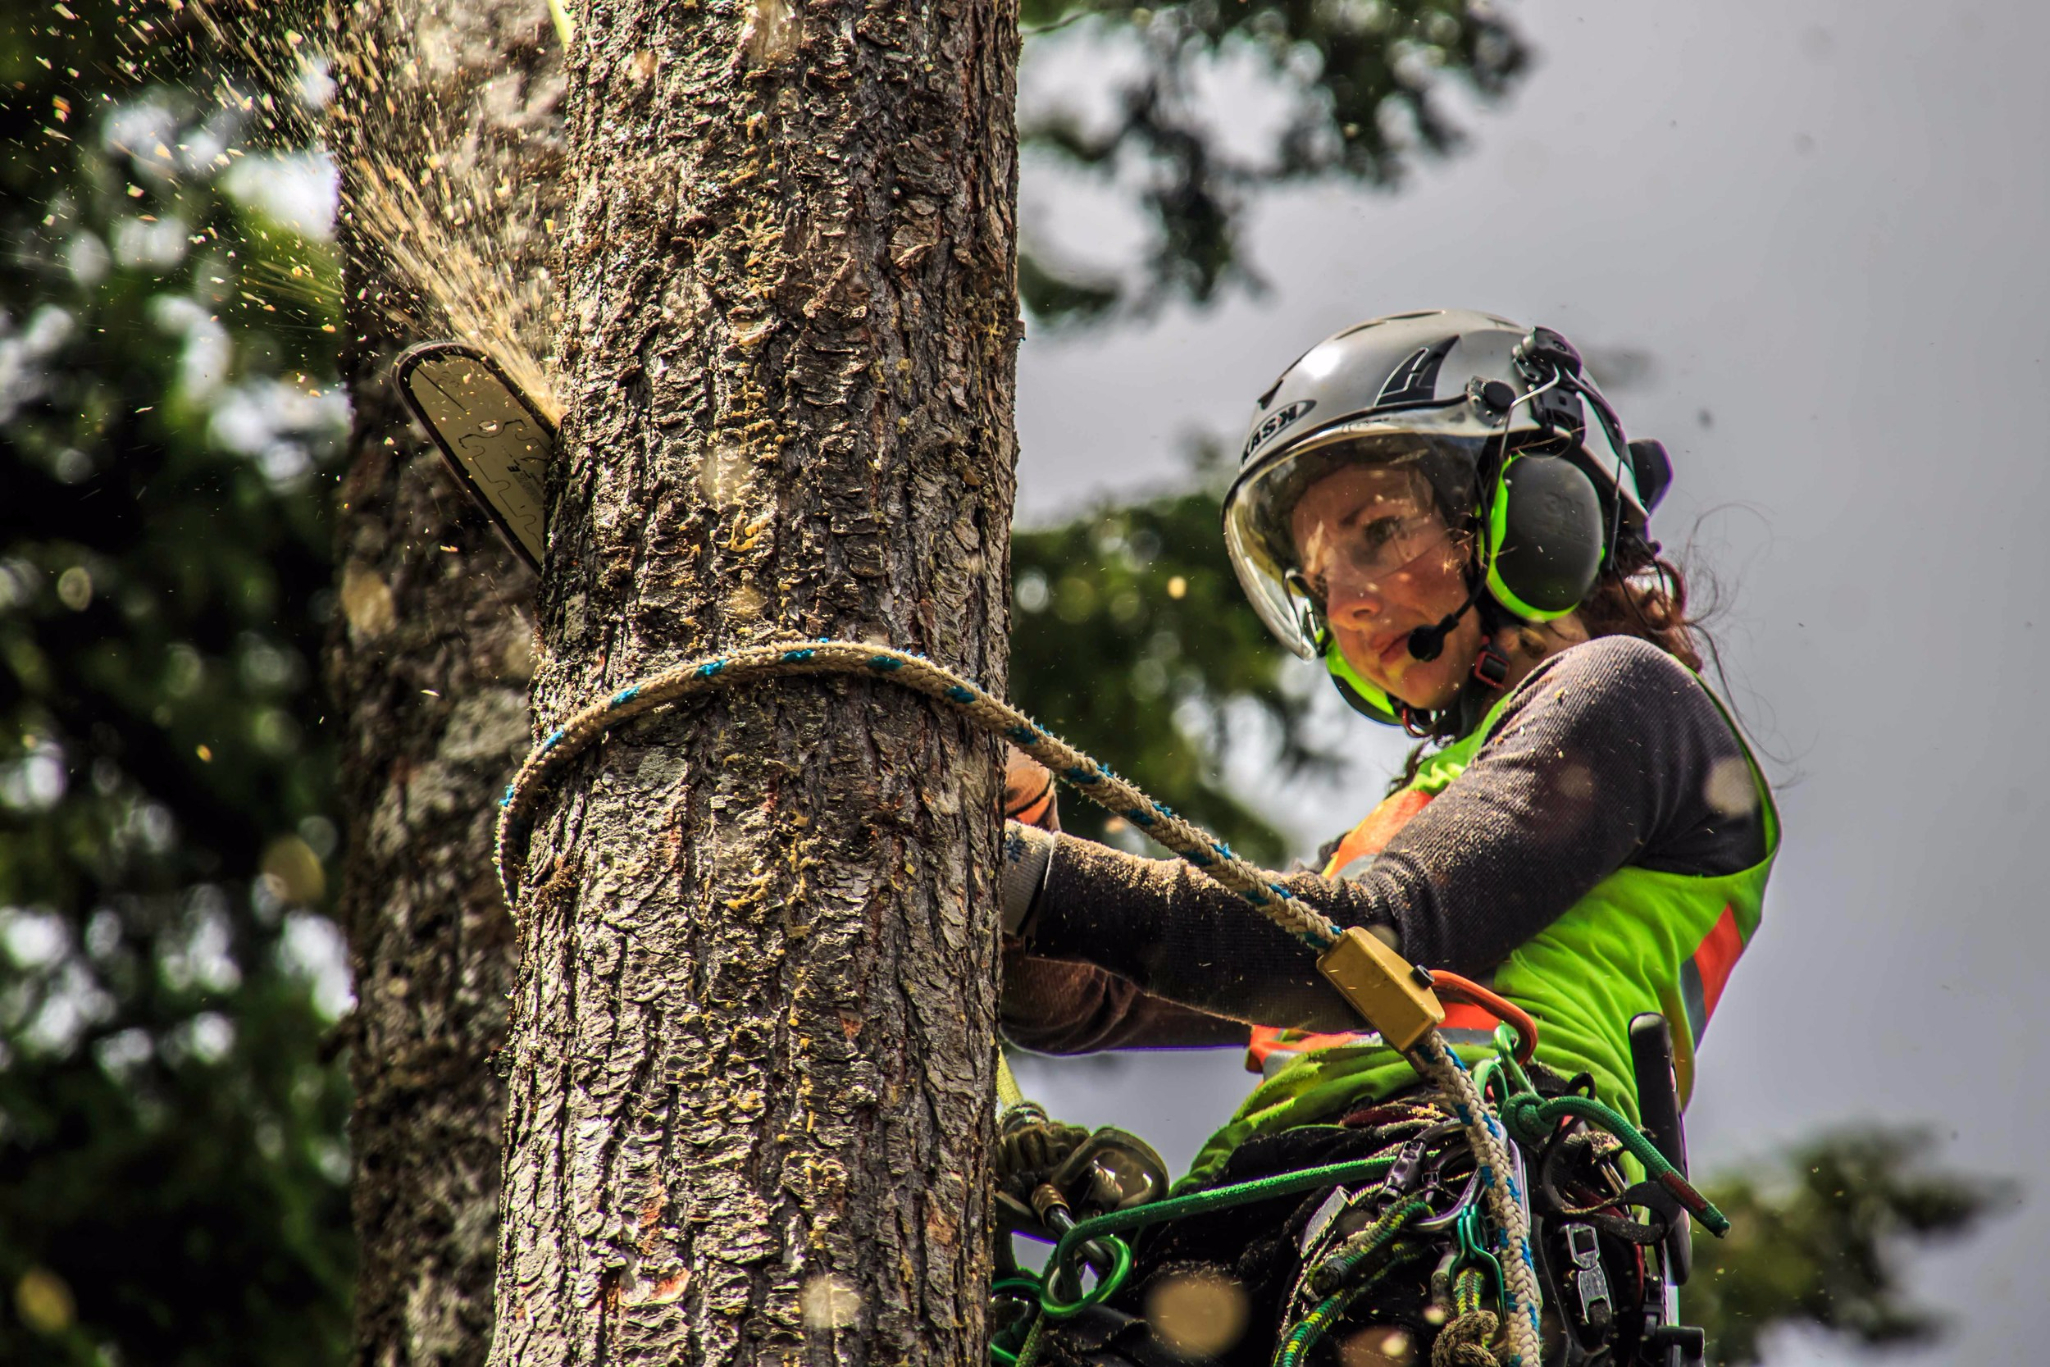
(496, 445)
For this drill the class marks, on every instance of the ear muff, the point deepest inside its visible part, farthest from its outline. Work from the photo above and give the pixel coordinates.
(1544, 538)
(1352, 686)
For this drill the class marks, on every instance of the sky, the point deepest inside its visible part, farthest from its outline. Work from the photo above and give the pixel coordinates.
(1824, 223)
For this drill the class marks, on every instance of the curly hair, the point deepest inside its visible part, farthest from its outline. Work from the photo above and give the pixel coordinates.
(1639, 593)
(1646, 599)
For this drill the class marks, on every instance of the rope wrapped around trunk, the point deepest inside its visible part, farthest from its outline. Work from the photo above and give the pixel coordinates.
(1261, 890)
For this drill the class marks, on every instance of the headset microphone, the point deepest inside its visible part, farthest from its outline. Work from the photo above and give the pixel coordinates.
(1428, 643)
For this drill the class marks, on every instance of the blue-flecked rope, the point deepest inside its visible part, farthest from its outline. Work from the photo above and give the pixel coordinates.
(1507, 1202)
(1261, 890)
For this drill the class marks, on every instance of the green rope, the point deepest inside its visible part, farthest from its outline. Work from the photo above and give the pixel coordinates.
(1311, 1328)
(1532, 1119)
(1469, 1289)
(1474, 1254)
(1029, 1352)
(1342, 1264)
(1217, 1198)
(1106, 1285)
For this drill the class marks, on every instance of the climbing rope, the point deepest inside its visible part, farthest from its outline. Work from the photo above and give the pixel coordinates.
(1506, 1201)
(1502, 1192)
(1257, 886)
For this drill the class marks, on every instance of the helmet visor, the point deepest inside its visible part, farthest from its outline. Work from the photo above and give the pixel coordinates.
(1361, 505)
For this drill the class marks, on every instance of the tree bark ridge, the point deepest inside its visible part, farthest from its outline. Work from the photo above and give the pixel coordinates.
(752, 1074)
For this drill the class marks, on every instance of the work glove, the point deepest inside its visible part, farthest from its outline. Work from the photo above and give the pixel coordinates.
(1030, 797)
(1027, 853)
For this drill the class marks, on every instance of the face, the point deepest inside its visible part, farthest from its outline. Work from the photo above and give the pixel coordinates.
(1377, 551)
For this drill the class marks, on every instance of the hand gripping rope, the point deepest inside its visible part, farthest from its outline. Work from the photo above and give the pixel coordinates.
(1396, 999)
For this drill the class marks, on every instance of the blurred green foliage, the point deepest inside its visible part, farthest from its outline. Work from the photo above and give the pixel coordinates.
(1817, 1241)
(172, 1169)
(1345, 89)
(1131, 639)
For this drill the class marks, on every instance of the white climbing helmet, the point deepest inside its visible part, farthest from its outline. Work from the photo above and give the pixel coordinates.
(1517, 442)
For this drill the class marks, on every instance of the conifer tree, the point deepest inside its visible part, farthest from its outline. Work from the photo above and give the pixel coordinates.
(751, 1061)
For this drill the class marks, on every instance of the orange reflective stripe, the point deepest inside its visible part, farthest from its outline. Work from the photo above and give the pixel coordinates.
(1372, 835)
(1362, 842)
(1717, 955)
(1269, 1040)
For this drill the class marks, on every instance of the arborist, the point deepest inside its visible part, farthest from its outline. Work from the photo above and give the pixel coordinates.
(1443, 510)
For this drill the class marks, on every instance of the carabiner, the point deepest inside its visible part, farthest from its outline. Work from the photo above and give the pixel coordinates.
(1458, 1208)
(1474, 1248)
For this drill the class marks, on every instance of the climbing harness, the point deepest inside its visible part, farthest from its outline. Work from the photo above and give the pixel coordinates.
(1398, 999)
(1395, 1209)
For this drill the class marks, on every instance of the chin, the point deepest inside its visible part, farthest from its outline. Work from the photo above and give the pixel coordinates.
(1422, 685)
(1409, 688)
(1427, 703)
(1426, 686)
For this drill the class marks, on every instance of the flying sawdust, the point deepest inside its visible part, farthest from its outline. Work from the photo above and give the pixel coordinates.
(421, 215)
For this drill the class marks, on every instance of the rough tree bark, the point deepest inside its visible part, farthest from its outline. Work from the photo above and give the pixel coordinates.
(752, 1043)
(429, 666)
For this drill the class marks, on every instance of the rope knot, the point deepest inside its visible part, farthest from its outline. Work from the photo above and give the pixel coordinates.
(1523, 1114)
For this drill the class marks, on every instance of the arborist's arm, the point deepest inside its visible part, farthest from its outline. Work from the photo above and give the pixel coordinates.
(1607, 755)
(1056, 1006)
(1065, 1007)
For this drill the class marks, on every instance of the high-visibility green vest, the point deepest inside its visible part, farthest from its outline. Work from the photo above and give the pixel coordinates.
(1639, 941)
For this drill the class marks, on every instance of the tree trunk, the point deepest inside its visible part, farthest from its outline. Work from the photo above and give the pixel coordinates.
(433, 649)
(750, 1103)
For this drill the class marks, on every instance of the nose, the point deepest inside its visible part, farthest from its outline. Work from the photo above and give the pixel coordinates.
(1353, 599)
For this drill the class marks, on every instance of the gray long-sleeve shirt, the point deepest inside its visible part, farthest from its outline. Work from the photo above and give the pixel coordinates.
(1609, 753)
